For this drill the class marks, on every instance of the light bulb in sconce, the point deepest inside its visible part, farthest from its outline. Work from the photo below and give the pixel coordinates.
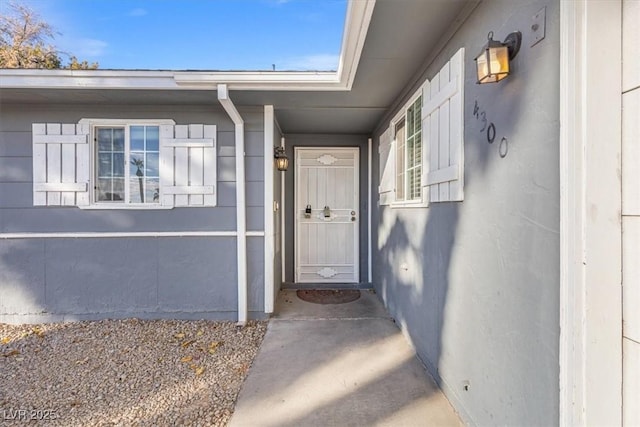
(493, 62)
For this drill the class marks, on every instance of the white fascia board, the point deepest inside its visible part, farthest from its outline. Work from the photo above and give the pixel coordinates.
(87, 79)
(357, 22)
(356, 26)
(169, 80)
(260, 80)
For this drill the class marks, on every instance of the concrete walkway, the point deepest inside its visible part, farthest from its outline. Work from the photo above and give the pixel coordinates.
(338, 365)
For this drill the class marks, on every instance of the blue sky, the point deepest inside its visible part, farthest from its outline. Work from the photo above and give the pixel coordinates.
(198, 34)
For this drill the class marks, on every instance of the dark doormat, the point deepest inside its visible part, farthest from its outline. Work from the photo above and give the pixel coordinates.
(328, 296)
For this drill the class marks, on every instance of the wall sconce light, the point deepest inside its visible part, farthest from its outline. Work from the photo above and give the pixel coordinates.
(493, 62)
(282, 161)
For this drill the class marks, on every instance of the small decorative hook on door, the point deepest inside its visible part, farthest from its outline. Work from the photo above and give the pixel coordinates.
(327, 212)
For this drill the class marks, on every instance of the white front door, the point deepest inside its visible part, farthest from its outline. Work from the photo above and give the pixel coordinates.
(327, 217)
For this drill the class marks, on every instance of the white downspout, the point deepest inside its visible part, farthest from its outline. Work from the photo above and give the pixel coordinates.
(241, 215)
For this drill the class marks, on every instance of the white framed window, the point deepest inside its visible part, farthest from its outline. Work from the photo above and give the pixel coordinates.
(127, 164)
(124, 164)
(422, 150)
(407, 132)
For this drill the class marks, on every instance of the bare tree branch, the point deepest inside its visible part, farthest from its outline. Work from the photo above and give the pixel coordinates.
(24, 42)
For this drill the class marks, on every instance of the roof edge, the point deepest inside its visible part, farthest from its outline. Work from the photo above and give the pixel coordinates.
(357, 21)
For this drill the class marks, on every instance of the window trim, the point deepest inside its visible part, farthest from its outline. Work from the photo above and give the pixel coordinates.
(94, 123)
(423, 202)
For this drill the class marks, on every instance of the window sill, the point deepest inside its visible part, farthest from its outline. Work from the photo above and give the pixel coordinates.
(410, 204)
(125, 207)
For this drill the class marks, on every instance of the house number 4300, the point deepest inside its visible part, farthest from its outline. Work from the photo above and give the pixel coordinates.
(490, 130)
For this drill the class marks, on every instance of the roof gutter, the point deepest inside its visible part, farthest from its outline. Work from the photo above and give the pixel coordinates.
(241, 220)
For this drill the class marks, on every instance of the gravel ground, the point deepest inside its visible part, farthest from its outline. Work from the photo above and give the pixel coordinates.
(124, 372)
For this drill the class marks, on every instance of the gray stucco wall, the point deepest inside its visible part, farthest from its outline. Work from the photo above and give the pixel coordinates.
(77, 278)
(319, 140)
(480, 300)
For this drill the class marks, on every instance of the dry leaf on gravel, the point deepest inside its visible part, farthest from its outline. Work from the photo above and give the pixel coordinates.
(213, 347)
(187, 343)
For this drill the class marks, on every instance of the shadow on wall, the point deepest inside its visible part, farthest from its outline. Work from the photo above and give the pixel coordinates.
(22, 276)
(414, 269)
(69, 279)
(474, 284)
(415, 253)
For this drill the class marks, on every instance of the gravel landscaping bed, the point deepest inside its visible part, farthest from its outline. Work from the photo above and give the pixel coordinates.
(124, 372)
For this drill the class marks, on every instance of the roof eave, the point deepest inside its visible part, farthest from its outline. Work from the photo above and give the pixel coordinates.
(356, 25)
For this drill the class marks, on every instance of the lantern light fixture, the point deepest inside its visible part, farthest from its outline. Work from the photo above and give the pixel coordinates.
(281, 159)
(493, 62)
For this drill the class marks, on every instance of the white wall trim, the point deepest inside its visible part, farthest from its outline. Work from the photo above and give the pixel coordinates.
(110, 234)
(590, 223)
(269, 237)
(241, 208)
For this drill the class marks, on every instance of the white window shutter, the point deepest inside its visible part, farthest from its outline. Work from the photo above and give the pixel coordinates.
(443, 125)
(387, 162)
(60, 164)
(188, 165)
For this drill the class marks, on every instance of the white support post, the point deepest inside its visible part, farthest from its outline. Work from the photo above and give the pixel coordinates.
(269, 241)
(283, 212)
(369, 183)
(241, 208)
